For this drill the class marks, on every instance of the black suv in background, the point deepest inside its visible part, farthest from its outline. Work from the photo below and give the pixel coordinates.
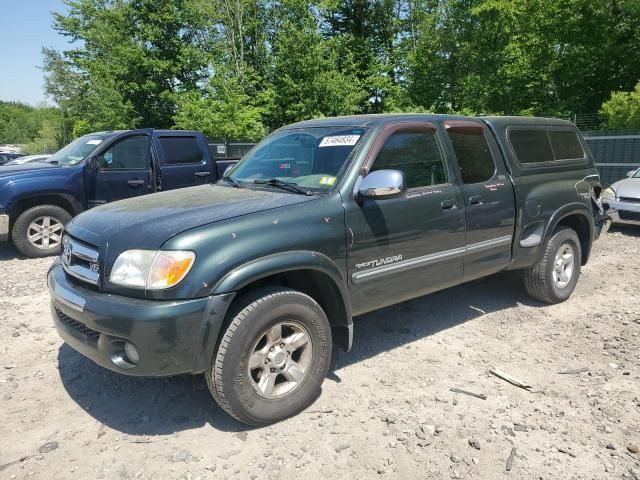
(253, 280)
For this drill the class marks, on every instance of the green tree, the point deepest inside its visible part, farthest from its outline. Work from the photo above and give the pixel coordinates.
(47, 140)
(622, 110)
(538, 56)
(223, 110)
(309, 78)
(21, 124)
(131, 58)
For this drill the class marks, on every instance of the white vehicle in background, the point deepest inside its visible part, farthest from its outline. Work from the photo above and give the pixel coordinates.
(624, 197)
(42, 158)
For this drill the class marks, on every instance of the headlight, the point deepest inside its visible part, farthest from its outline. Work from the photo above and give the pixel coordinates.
(150, 269)
(608, 194)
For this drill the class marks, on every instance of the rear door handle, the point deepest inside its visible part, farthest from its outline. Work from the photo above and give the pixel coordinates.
(449, 205)
(202, 174)
(475, 200)
(135, 183)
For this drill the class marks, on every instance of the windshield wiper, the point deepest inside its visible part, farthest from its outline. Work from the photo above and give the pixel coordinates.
(276, 182)
(232, 181)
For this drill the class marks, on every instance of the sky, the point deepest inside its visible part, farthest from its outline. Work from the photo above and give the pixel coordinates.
(26, 28)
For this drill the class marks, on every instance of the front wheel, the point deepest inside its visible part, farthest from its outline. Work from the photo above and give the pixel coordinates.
(554, 277)
(273, 357)
(37, 232)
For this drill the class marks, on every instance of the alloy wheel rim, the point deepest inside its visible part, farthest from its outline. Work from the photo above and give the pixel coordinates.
(45, 232)
(280, 359)
(564, 265)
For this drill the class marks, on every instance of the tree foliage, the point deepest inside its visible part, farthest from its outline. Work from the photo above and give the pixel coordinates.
(21, 124)
(622, 110)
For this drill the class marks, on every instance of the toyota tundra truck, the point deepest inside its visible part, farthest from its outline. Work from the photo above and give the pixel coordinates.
(253, 280)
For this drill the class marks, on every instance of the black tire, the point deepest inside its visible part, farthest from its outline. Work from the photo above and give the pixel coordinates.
(229, 379)
(19, 232)
(539, 280)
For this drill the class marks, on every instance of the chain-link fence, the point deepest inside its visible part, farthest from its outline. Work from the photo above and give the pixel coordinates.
(615, 153)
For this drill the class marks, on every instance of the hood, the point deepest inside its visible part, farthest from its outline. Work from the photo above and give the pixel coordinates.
(149, 221)
(10, 170)
(629, 187)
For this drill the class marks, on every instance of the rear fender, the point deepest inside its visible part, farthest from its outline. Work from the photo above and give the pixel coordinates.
(564, 212)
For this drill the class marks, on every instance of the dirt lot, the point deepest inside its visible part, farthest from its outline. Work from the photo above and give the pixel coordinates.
(386, 410)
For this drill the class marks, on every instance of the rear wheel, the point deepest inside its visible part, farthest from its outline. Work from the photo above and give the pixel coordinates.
(37, 232)
(273, 357)
(554, 277)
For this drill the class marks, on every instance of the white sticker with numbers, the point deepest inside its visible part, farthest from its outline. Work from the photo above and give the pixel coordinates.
(339, 141)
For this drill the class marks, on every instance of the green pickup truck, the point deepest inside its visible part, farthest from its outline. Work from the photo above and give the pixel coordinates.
(254, 279)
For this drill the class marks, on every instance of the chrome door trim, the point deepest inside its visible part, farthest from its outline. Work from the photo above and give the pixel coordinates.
(489, 244)
(373, 273)
(431, 259)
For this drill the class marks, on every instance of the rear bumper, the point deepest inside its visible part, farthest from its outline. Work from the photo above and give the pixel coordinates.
(4, 227)
(170, 337)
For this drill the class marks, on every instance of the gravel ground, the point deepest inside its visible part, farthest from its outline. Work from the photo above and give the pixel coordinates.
(386, 410)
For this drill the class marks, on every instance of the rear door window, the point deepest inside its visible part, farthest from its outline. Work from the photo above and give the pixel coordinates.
(181, 150)
(473, 154)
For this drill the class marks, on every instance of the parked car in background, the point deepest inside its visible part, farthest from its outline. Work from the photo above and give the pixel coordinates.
(624, 197)
(6, 157)
(30, 159)
(37, 199)
(252, 281)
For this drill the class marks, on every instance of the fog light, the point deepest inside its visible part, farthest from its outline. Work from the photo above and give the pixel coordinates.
(131, 353)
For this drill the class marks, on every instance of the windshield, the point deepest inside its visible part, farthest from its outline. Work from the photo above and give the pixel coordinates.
(637, 174)
(77, 150)
(308, 157)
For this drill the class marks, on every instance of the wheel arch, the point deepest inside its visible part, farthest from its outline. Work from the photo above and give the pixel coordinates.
(309, 272)
(580, 219)
(62, 200)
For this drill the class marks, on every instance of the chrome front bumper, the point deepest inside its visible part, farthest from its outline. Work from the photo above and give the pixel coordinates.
(626, 213)
(4, 228)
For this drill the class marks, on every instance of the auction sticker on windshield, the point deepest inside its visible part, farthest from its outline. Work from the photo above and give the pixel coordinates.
(339, 141)
(94, 142)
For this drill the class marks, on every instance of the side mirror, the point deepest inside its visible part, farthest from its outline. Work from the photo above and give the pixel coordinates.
(382, 184)
(631, 172)
(94, 162)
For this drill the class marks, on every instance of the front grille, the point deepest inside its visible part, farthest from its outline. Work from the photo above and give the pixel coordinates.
(77, 326)
(80, 260)
(629, 216)
(630, 200)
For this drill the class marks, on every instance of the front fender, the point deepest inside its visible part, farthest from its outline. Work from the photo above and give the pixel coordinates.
(67, 185)
(291, 261)
(269, 265)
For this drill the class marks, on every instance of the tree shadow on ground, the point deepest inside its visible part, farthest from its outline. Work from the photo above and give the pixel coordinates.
(162, 406)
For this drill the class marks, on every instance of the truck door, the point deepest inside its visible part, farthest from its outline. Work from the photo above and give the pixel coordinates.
(488, 196)
(183, 162)
(403, 247)
(124, 170)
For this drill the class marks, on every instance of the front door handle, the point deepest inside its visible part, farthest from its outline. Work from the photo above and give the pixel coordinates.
(202, 174)
(475, 200)
(449, 205)
(135, 183)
